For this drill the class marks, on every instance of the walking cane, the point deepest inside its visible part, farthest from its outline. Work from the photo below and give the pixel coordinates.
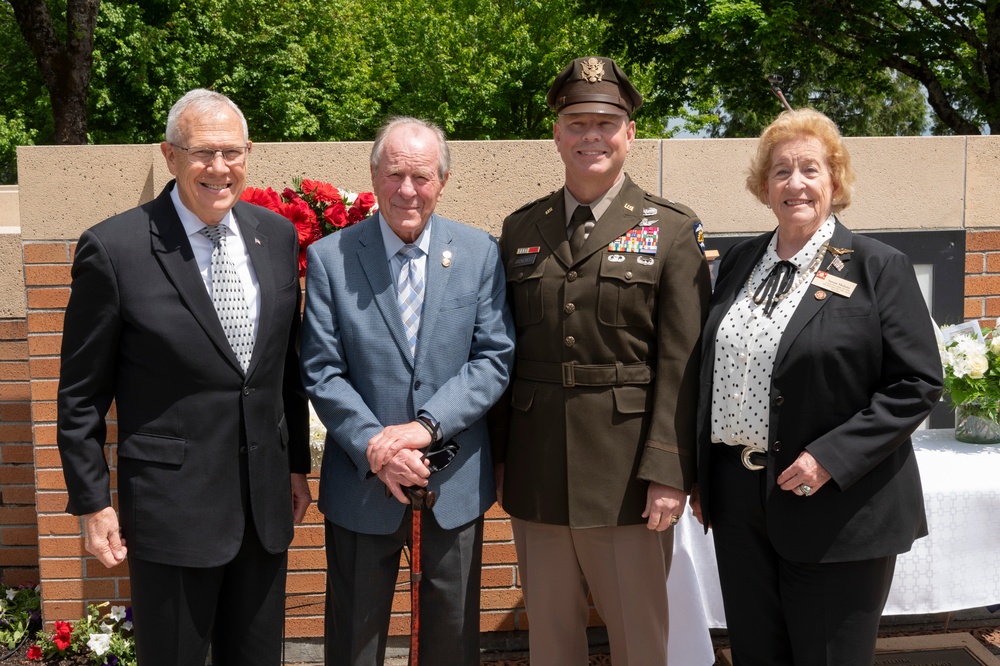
(420, 498)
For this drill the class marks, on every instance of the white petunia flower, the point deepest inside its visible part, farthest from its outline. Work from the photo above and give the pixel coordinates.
(99, 643)
(117, 613)
(11, 594)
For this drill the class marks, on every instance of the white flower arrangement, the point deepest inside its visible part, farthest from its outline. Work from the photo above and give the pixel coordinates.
(970, 358)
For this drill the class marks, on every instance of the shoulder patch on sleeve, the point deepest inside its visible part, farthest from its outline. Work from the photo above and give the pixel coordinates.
(699, 235)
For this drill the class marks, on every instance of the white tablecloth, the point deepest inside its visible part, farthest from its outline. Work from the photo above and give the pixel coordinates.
(957, 566)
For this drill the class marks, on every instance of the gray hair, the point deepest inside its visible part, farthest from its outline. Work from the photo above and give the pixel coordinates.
(444, 155)
(201, 100)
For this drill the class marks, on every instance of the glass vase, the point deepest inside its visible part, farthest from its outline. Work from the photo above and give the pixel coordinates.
(973, 426)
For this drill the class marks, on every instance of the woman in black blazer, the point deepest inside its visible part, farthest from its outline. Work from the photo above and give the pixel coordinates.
(820, 361)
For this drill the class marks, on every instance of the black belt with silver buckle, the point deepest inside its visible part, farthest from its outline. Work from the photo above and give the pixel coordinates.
(753, 459)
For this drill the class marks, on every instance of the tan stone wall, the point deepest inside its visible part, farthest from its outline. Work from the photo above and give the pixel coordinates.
(10, 210)
(903, 183)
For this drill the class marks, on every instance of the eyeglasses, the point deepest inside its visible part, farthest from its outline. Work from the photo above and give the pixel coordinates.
(205, 155)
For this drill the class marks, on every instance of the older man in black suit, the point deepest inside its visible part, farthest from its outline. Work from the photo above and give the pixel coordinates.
(184, 311)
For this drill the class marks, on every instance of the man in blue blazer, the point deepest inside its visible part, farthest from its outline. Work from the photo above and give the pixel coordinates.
(406, 344)
(213, 446)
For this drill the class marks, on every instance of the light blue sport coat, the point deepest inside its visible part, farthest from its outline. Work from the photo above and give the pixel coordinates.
(360, 374)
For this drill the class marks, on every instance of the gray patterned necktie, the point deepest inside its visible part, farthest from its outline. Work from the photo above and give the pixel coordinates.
(580, 226)
(228, 297)
(410, 294)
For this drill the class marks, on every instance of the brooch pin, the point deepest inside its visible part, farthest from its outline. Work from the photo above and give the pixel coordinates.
(837, 252)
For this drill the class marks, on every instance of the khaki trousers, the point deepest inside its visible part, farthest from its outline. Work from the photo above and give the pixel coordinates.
(624, 568)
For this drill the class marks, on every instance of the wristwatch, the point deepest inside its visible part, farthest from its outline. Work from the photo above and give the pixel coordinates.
(433, 427)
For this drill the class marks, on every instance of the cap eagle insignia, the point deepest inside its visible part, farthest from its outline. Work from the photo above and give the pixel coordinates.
(593, 70)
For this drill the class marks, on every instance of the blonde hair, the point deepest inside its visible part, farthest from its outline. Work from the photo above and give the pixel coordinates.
(798, 124)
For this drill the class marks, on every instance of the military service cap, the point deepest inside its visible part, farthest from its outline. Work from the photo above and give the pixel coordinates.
(593, 85)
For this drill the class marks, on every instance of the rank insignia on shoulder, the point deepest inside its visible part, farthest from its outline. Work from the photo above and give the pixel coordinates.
(529, 250)
(641, 240)
(649, 211)
(616, 258)
(645, 261)
(699, 236)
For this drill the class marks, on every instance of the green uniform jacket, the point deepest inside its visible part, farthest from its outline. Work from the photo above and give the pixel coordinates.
(605, 386)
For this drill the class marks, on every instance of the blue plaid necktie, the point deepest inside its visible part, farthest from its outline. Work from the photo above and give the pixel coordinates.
(228, 297)
(410, 293)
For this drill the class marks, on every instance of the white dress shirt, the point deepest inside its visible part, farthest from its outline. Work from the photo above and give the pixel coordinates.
(747, 341)
(235, 247)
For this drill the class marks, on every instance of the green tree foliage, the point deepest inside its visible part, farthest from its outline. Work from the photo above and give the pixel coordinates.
(312, 70)
(871, 64)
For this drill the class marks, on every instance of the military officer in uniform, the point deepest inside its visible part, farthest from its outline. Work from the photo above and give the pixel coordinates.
(595, 445)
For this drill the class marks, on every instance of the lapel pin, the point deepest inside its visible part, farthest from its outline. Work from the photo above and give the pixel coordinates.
(256, 240)
(820, 295)
(837, 253)
(446, 258)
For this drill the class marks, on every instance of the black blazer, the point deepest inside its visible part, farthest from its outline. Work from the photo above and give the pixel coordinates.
(140, 328)
(853, 377)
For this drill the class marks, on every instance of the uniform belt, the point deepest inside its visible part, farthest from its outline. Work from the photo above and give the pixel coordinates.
(753, 459)
(575, 374)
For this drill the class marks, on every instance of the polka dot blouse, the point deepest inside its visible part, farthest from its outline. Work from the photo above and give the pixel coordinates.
(746, 343)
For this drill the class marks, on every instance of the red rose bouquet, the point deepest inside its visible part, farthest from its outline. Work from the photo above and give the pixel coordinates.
(316, 209)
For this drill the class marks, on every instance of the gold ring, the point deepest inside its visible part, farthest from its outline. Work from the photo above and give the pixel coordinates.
(674, 518)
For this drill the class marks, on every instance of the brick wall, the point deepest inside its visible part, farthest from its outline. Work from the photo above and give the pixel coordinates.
(71, 581)
(982, 274)
(18, 530)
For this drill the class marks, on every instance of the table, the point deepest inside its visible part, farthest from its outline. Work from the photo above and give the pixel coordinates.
(956, 566)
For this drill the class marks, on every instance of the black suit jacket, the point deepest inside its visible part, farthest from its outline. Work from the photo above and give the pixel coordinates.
(853, 377)
(199, 443)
